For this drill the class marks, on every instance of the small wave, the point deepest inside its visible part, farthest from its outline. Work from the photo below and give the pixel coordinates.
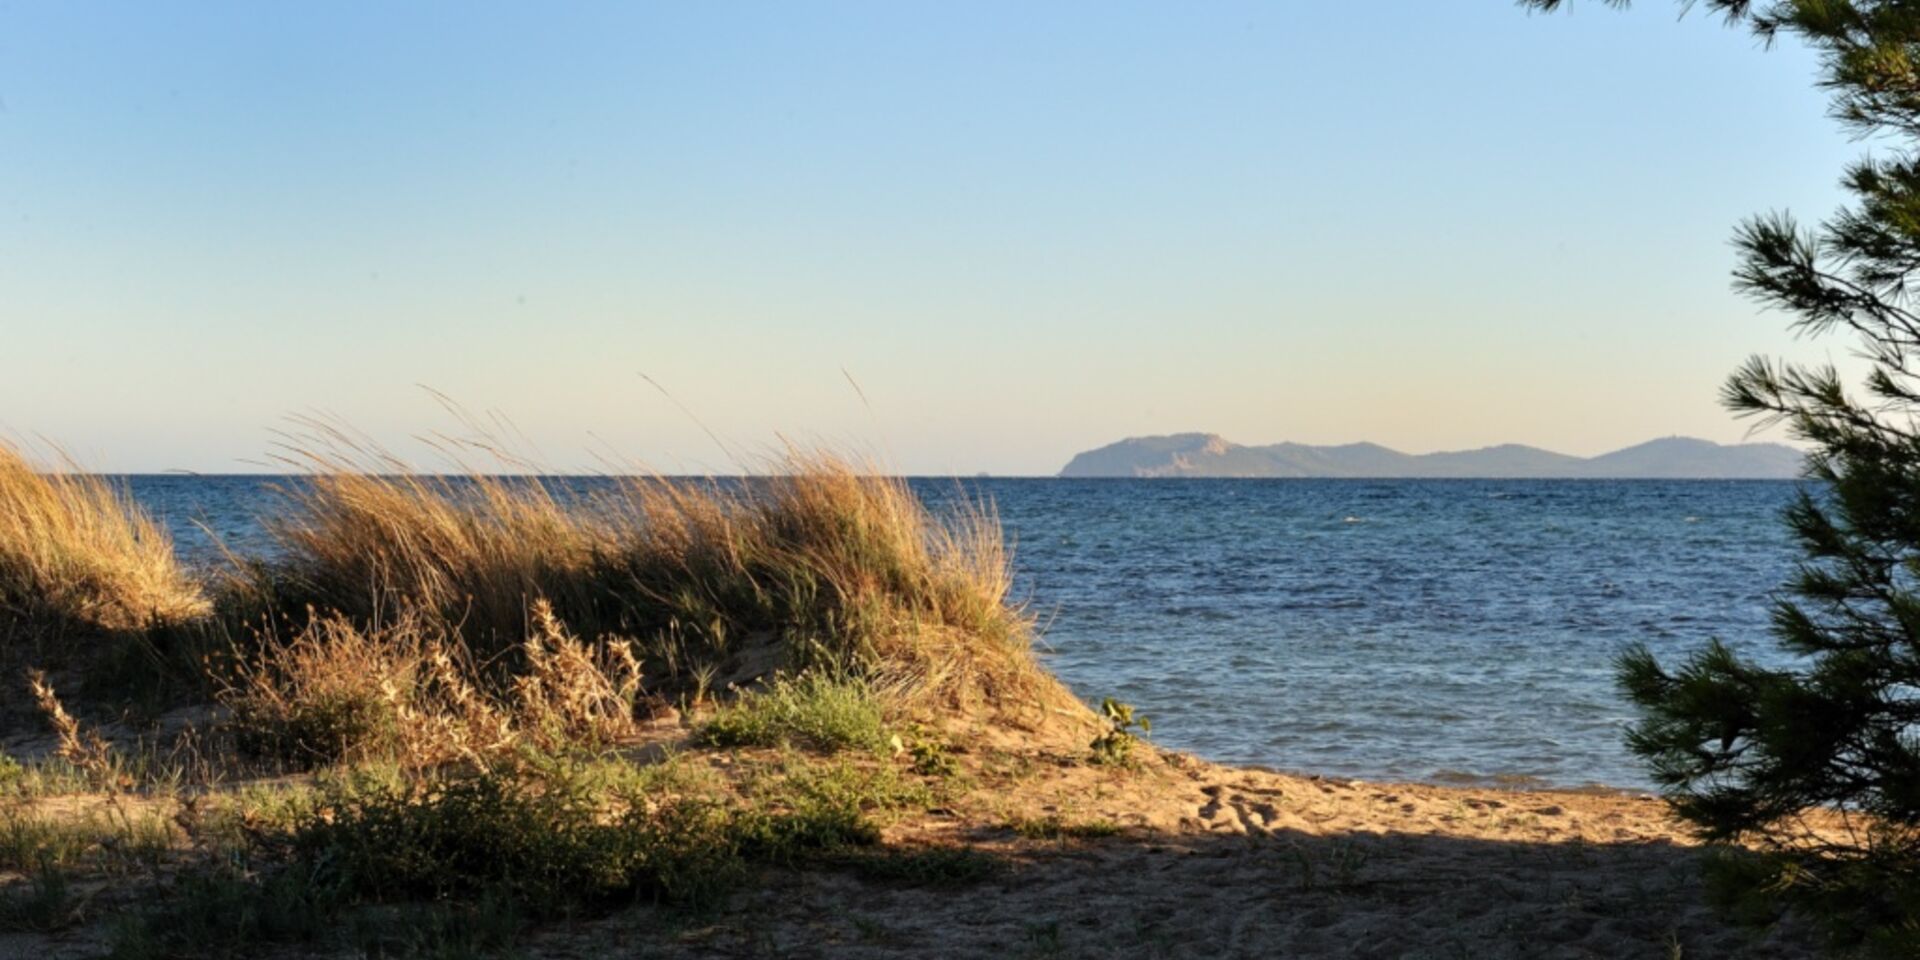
(1504, 781)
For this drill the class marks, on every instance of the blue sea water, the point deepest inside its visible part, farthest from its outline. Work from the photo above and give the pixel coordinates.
(1431, 630)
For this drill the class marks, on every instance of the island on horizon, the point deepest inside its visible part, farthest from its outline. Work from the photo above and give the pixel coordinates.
(1213, 456)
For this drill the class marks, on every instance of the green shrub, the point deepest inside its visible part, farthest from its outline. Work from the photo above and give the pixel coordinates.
(564, 842)
(388, 864)
(544, 844)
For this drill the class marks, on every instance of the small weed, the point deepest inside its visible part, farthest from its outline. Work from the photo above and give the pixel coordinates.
(931, 759)
(814, 710)
(1304, 862)
(1340, 869)
(925, 867)
(111, 840)
(1043, 939)
(1347, 860)
(486, 927)
(1054, 827)
(1115, 746)
(42, 904)
(872, 931)
(1675, 950)
(51, 777)
(85, 749)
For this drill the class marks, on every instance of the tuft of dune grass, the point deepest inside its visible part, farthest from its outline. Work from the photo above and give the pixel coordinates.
(817, 561)
(834, 566)
(75, 551)
(366, 535)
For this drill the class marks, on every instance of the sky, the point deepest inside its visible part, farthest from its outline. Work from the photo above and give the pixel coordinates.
(1022, 230)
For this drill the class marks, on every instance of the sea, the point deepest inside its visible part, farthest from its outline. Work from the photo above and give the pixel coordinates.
(1445, 631)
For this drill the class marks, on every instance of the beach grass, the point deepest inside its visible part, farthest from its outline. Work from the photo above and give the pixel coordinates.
(77, 554)
(815, 561)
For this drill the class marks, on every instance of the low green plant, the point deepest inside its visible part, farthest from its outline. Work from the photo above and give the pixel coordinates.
(48, 777)
(816, 709)
(807, 808)
(931, 759)
(565, 839)
(227, 824)
(845, 782)
(547, 845)
(111, 840)
(1056, 827)
(1114, 746)
(28, 839)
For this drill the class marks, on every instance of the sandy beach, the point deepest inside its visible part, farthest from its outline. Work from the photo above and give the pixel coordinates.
(1169, 856)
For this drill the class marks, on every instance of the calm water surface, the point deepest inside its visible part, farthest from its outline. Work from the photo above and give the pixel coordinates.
(1435, 630)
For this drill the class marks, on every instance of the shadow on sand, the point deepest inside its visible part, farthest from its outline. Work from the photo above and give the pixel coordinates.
(1266, 895)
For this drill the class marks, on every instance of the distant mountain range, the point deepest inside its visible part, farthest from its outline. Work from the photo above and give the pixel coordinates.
(1210, 455)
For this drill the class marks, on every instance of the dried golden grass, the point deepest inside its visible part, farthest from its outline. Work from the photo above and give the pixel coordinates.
(818, 561)
(83, 748)
(75, 551)
(406, 692)
(571, 692)
(336, 692)
(843, 565)
(367, 534)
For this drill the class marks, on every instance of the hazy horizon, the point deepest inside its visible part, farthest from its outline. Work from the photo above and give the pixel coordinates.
(1023, 232)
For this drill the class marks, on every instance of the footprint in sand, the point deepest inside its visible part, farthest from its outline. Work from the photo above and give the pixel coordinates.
(1249, 816)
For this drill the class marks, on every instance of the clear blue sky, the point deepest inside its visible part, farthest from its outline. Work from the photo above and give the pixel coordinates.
(1025, 229)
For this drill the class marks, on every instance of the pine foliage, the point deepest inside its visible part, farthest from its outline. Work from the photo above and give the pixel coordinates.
(1743, 751)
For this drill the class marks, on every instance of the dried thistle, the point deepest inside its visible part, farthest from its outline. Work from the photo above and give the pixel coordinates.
(85, 749)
